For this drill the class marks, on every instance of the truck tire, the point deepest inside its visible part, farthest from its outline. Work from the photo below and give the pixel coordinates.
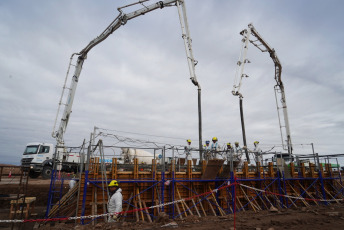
(46, 173)
(33, 174)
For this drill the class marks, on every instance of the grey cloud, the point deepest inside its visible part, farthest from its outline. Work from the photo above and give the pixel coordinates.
(138, 80)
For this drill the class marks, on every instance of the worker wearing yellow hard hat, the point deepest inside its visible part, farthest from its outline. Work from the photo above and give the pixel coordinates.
(188, 154)
(238, 152)
(215, 148)
(113, 183)
(115, 202)
(258, 153)
(229, 152)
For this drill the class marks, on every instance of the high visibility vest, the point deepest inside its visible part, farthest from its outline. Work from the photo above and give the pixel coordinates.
(214, 146)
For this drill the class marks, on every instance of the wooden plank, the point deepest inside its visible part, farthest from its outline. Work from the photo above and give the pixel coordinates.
(148, 216)
(256, 203)
(181, 202)
(219, 207)
(136, 213)
(331, 195)
(201, 205)
(248, 200)
(240, 204)
(140, 204)
(310, 195)
(297, 194)
(127, 209)
(261, 199)
(211, 207)
(178, 210)
(200, 201)
(193, 202)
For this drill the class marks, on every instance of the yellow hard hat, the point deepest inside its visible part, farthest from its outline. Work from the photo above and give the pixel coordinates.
(236, 143)
(113, 183)
(256, 142)
(229, 143)
(214, 138)
(188, 141)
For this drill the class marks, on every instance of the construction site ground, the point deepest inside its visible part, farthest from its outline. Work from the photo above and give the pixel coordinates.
(314, 217)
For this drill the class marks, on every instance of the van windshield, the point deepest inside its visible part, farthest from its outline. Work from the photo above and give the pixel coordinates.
(31, 149)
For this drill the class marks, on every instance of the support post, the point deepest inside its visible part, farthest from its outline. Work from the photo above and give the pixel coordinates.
(233, 191)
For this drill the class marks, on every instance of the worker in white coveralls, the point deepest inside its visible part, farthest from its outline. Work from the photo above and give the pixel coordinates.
(215, 149)
(257, 153)
(188, 155)
(72, 183)
(115, 202)
(229, 153)
(207, 154)
(238, 152)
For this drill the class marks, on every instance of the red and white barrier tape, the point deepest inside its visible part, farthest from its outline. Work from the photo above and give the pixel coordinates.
(293, 197)
(109, 214)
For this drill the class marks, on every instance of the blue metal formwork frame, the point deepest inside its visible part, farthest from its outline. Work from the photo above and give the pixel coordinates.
(279, 182)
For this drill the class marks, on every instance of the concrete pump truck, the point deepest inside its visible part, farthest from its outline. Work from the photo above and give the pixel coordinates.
(42, 158)
(251, 35)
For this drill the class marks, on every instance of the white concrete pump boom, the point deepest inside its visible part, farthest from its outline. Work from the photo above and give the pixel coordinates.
(263, 46)
(120, 20)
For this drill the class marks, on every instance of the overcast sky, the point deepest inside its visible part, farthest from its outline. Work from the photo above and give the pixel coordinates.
(137, 80)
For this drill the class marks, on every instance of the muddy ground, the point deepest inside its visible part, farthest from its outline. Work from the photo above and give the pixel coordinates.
(314, 217)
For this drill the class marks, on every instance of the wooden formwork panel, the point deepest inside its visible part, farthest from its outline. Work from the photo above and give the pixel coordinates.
(134, 182)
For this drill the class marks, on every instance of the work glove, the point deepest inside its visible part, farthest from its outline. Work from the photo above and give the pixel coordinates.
(244, 147)
(114, 217)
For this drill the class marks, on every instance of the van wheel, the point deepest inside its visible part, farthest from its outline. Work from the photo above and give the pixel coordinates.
(47, 170)
(34, 174)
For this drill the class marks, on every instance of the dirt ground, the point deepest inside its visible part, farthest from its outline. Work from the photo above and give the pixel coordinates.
(314, 217)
